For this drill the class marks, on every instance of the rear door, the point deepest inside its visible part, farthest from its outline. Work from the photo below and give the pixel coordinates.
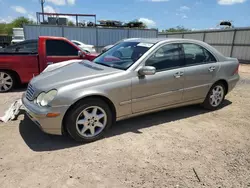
(200, 71)
(60, 50)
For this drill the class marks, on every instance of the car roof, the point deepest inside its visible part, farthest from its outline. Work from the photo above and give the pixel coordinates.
(180, 40)
(156, 40)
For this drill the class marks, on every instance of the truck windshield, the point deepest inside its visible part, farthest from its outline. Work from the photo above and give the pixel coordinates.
(123, 55)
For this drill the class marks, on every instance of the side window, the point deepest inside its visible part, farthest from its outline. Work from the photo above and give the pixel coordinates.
(29, 47)
(166, 57)
(60, 48)
(195, 54)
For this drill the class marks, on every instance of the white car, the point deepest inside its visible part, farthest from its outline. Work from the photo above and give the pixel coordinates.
(86, 47)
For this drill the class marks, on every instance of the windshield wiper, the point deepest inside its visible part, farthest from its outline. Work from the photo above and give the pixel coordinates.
(110, 65)
(104, 64)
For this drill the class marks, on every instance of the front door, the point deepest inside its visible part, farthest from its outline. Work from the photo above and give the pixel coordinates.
(58, 51)
(166, 86)
(200, 71)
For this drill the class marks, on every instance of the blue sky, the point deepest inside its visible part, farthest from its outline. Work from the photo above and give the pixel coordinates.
(162, 14)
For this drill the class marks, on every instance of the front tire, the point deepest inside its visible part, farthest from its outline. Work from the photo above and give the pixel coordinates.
(88, 120)
(7, 81)
(215, 96)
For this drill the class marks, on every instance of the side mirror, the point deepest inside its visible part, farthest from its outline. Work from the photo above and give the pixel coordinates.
(80, 54)
(147, 70)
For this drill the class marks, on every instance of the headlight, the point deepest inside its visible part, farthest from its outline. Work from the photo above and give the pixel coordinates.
(44, 99)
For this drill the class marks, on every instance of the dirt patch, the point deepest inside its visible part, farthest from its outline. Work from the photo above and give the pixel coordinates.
(157, 150)
(244, 68)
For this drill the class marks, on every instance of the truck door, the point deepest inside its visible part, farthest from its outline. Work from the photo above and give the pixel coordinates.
(58, 51)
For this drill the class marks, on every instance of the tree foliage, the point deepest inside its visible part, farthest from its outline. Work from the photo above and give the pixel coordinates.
(70, 23)
(176, 29)
(6, 28)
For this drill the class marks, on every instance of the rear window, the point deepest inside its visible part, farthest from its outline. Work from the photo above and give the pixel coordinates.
(23, 47)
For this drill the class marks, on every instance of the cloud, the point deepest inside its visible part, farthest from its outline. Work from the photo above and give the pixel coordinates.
(148, 22)
(184, 8)
(62, 2)
(19, 9)
(197, 3)
(182, 15)
(32, 17)
(49, 9)
(57, 2)
(230, 2)
(6, 20)
(71, 2)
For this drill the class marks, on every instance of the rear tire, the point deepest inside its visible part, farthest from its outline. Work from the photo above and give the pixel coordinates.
(215, 96)
(88, 120)
(7, 81)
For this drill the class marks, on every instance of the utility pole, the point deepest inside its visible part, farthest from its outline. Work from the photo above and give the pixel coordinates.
(42, 3)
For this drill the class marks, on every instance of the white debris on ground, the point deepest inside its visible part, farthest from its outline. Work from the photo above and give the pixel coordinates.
(17, 105)
(13, 111)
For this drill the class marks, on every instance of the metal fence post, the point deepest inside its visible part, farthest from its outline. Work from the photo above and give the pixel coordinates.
(62, 31)
(97, 42)
(204, 36)
(128, 33)
(232, 46)
(182, 35)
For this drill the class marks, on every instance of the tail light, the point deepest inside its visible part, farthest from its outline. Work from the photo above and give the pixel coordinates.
(236, 71)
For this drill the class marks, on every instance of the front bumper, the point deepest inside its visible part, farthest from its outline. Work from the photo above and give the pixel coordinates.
(50, 125)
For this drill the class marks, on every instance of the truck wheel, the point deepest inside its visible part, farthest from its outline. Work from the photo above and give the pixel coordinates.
(215, 96)
(88, 120)
(7, 81)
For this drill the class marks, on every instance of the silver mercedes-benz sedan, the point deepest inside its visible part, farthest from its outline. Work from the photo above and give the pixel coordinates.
(132, 78)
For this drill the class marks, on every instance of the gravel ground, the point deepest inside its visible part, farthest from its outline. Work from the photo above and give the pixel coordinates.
(163, 149)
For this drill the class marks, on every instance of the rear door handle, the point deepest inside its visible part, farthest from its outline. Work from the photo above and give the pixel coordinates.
(211, 69)
(178, 74)
(50, 63)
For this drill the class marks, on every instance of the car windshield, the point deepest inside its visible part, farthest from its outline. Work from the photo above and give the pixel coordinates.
(123, 55)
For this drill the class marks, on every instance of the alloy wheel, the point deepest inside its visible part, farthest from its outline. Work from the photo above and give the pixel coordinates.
(91, 121)
(216, 96)
(6, 82)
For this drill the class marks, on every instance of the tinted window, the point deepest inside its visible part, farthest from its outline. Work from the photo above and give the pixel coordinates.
(195, 54)
(166, 57)
(123, 55)
(23, 47)
(60, 48)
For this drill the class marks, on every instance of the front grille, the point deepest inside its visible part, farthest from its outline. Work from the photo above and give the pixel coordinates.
(30, 92)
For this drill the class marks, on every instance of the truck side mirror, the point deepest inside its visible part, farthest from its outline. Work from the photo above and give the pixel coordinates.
(80, 54)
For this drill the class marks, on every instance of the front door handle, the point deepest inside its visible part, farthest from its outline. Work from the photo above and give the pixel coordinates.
(50, 63)
(211, 69)
(178, 74)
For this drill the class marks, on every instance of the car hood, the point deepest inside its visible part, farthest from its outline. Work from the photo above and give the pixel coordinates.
(70, 74)
(87, 46)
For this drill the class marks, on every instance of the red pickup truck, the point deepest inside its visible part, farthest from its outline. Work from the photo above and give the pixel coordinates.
(22, 61)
